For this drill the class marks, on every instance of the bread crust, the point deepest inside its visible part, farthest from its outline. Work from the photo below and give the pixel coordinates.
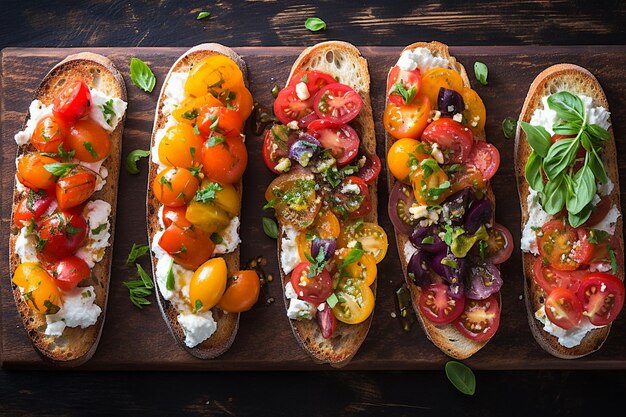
(577, 80)
(445, 337)
(227, 323)
(75, 346)
(347, 338)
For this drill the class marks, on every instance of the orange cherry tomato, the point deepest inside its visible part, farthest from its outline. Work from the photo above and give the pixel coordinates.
(189, 246)
(175, 215)
(400, 155)
(325, 226)
(475, 112)
(407, 120)
(208, 284)
(180, 147)
(226, 160)
(31, 171)
(188, 111)
(242, 292)
(49, 133)
(89, 140)
(220, 120)
(468, 177)
(40, 292)
(429, 187)
(239, 99)
(75, 187)
(214, 74)
(175, 186)
(436, 78)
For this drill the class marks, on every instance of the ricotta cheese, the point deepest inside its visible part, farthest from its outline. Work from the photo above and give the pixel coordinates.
(98, 101)
(605, 189)
(610, 220)
(289, 255)
(37, 111)
(567, 338)
(302, 91)
(174, 91)
(96, 214)
(78, 310)
(21, 188)
(26, 246)
(420, 58)
(409, 250)
(350, 188)
(230, 237)
(546, 117)
(537, 217)
(197, 327)
(301, 310)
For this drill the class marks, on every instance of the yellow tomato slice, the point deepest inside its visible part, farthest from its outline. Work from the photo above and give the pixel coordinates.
(372, 237)
(475, 112)
(356, 301)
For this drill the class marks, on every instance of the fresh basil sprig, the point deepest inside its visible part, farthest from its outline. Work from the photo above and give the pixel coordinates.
(141, 75)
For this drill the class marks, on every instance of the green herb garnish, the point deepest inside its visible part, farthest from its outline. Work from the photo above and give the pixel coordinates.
(132, 158)
(461, 377)
(136, 252)
(203, 15)
(481, 71)
(107, 111)
(208, 192)
(314, 24)
(141, 75)
(270, 228)
(508, 127)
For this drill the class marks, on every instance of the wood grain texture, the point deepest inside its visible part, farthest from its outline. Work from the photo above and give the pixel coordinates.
(139, 339)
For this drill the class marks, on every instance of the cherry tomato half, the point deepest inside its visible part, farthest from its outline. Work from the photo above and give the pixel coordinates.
(371, 236)
(289, 107)
(73, 102)
(68, 272)
(480, 319)
(60, 235)
(454, 139)
(337, 103)
(400, 155)
(549, 278)
(563, 308)
(40, 292)
(564, 247)
(409, 79)
(75, 187)
(32, 173)
(175, 186)
(189, 246)
(50, 132)
(407, 120)
(342, 140)
(32, 206)
(225, 161)
(242, 292)
(275, 146)
(314, 80)
(499, 245)
(438, 305)
(370, 171)
(602, 297)
(89, 140)
(436, 78)
(175, 215)
(315, 289)
(485, 157)
(351, 199)
(294, 198)
(356, 301)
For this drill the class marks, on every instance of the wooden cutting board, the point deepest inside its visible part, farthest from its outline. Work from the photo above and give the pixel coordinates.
(134, 339)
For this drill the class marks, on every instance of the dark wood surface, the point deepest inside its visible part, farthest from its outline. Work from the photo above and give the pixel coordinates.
(387, 346)
(166, 23)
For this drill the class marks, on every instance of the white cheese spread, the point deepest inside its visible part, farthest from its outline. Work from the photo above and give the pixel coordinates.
(298, 309)
(567, 338)
(409, 250)
(78, 309)
(609, 222)
(197, 327)
(96, 215)
(537, 217)
(289, 255)
(546, 117)
(26, 246)
(98, 101)
(174, 91)
(230, 237)
(37, 111)
(420, 58)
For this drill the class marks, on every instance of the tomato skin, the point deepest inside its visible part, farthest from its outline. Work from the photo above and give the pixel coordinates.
(275, 146)
(299, 212)
(49, 133)
(599, 212)
(342, 140)
(40, 292)
(31, 207)
(370, 171)
(327, 321)
(409, 80)
(399, 156)
(497, 235)
(311, 289)
(73, 102)
(75, 187)
(565, 248)
(451, 136)
(337, 103)
(563, 308)
(63, 232)
(549, 278)
(485, 157)
(89, 140)
(68, 272)
(479, 320)
(371, 236)
(225, 162)
(239, 99)
(438, 306)
(180, 147)
(189, 246)
(288, 107)
(407, 120)
(229, 122)
(208, 284)
(436, 78)
(31, 171)
(175, 215)
(602, 297)
(175, 187)
(315, 80)
(242, 292)
(350, 311)
(349, 204)
(474, 110)
(214, 74)
(432, 181)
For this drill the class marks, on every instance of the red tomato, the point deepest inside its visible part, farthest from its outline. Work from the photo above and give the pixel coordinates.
(407, 120)
(32, 206)
(500, 244)
(439, 306)
(75, 187)
(599, 212)
(289, 107)
(314, 80)
(337, 103)
(311, 289)
(485, 157)
(241, 293)
(480, 318)
(175, 215)
(409, 79)
(49, 133)
(550, 278)
(563, 308)
(275, 146)
(454, 139)
(226, 161)
(300, 211)
(602, 252)
(346, 203)
(60, 235)
(342, 140)
(73, 102)
(583, 250)
(602, 297)
(189, 246)
(370, 171)
(68, 272)
(327, 321)
(221, 120)
(565, 248)
(89, 140)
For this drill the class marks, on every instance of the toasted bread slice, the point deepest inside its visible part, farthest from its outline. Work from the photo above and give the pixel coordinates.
(445, 337)
(76, 346)
(227, 323)
(577, 80)
(343, 61)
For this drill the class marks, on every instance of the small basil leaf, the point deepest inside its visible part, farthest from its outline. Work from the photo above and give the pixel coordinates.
(141, 75)
(203, 15)
(481, 71)
(132, 158)
(560, 156)
(461, 377)
(597, 167)
(583, 190)
(576, 220)
(554, 194)
(508, 127)
(597, 132)
(314, 24)
(567, 106)
(533, 173)
(270, 228)
(538, 138)
(567, 128)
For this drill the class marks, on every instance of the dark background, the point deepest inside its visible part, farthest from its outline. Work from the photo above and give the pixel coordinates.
(270, 23)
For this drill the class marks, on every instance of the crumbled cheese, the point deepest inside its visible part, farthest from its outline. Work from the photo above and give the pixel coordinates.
(567, 338)
(436, 153)
(98, 99)
(600, 267)
(293, 125)
(537, 217)
(283, 165)
(26, 246)
(350, 188)
(302, 91)
(37, 111)
(289, 255)
(174, 91)
(21, 188)
(609, 222)
(605, 189)
(197, 327)
(230, 237)
(458, 117)
(101, 178)
(96, 213)
(78, 310)
(301, 310)
(417, 211)
(546, 117)
(420, 58)
(409, 250)
(289, 291)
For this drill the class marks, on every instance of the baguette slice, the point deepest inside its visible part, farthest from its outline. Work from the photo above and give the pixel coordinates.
(445, 337)
(576, 80)
(227, 324)
(344, 61)
(76, 346)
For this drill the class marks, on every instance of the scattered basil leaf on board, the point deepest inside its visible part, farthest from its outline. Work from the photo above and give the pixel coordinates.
(136, 252)
(132, 158)
(508, 127)
(141, 288)
(461, 377)
(314, 24)
(270, 228)
(143, 275)
(481, 71)
(141, 75)
(203, 15)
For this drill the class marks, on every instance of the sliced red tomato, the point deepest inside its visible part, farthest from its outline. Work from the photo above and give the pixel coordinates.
(480, 319)
(407, 120)
(275, 146)
(485, 157)
(221, 120)
(500, 244)
(73, 102)
(60, 235)
(294, 198)
(175, 215)
(599, 212)
(314, 80)
(565, 248)
(409, 79)
(225, 161)
(550, 278)
(342, 140)
(288, 107)
(563, 308)
(439, 306)
(602, 252)
(583, 250)
(371, 169)
(351, 199)
(68, 272)
(602, 297)
(454, 139)
(32, 206)
(337, 103)
(314, 289)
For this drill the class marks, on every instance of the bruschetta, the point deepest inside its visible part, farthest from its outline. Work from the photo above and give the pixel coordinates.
(329, 240)
(197, 159)
(68, 162)
(572, 230)
(441, 203)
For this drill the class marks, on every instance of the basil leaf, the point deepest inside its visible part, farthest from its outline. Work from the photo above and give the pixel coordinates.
(203, 15)
(508, 127)
(353, 256)
(208, 192)
(597, 167)
(576, 220)
(270, 228)
(145, 278)
(567, 106)
(58, 169)
(567, 128)
(560, 156)
(554, 194)
(169, 278)
(613, 260)
(532, 171)
(481, 71)
(461, 377)
(141, 75)
(132, 158)
(538, 138)
(597, 132)
(583, 190)
(136, 252)
(314, 24)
